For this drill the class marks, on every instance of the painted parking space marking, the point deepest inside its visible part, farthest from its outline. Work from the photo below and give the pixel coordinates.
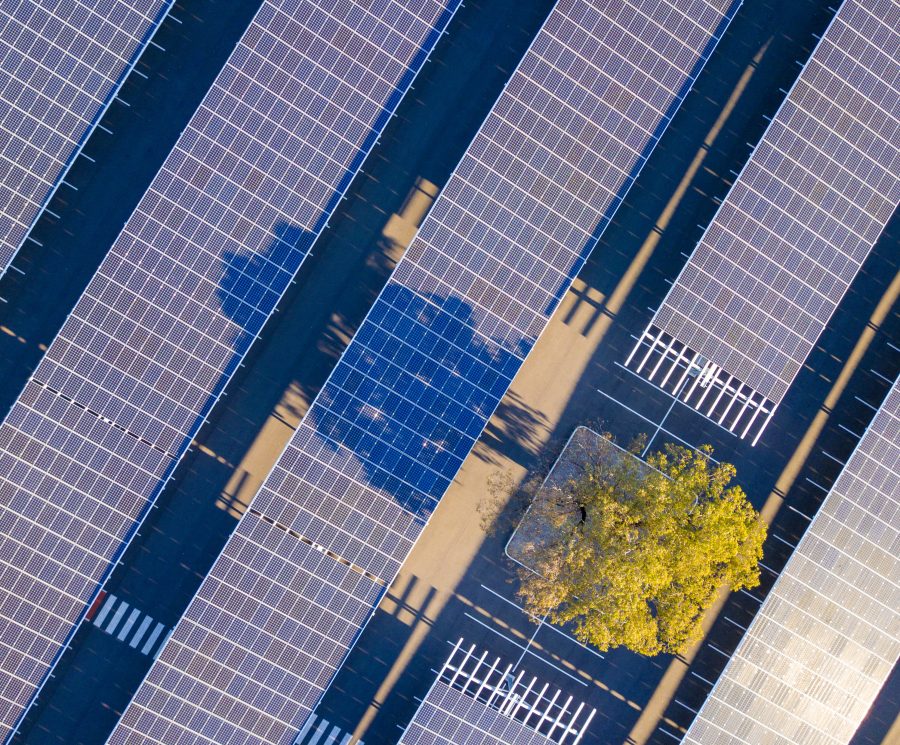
(141, 630)
(128, 624)
(104, 611)
(152, 639)
(117, 616)
(132, 617)
(319, 731)
(526, 650)
(543, 623)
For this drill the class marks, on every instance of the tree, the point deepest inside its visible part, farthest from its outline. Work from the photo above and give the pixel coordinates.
(634, 556)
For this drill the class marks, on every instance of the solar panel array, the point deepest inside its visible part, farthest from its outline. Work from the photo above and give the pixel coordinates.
(61, 64)
(426, 369)
(792, 232)
(173, 308)
(481, 702)
(828, 634)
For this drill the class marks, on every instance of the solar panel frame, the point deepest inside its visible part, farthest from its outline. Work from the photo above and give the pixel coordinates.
(792, 232)
(456, 355)
(24, 193)
(179, 299)
(826, 637)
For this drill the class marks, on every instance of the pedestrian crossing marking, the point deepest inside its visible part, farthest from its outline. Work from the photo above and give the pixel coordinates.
(314, 729)
(111, 614)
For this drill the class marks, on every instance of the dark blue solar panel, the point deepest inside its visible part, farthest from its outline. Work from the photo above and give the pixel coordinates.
(182, 294)
(439, 348)
(61, 65)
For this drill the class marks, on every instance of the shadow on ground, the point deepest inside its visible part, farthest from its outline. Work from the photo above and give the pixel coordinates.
(396, 657)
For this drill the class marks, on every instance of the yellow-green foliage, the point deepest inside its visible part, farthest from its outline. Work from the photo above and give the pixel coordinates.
(653, 549)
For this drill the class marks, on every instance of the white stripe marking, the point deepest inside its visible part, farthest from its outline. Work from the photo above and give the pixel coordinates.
(123, 632)
(332, 736)
(306, 727)
(163, 643)
(101, 616)
(117, 616)
(139, 634)
(152, 639)
(320, 730)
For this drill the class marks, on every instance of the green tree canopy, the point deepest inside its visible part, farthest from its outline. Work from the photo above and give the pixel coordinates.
(638, 554)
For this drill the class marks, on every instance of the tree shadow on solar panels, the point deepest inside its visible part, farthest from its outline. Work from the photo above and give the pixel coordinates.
(252, 282)
(412, 394)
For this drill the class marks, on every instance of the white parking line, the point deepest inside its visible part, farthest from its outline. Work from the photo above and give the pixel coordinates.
(507, 600)
(112, 614)
(681, 703)
(163, 643)
(651, 422)
(666, 393)
(332, 736)
(139, 634)
(306, 727)
(817, 485)
(527, 650)
(128, 624)
(530, 642)
(666, 732)
(659, 427)
(104, 611)
(117, 616)
(336, 735)
(317, 735)
(148, 645)
(549, 626)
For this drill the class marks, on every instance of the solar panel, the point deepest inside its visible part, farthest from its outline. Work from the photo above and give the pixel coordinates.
(477, 700)
(793, 231)
(828, 634)
(61, 65)
(183, 292)
(436, 353)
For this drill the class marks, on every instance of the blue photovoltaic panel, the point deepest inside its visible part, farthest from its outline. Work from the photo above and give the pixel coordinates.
(414, 389)
(828, 634)
(61, 64)
(792, 233)
(173, 308)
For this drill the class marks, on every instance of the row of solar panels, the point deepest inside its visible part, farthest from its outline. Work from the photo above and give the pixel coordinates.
(183, 292)
(791, 234)
(61, 64)
(369, 434)
(337, 516)
(825, 639)
(179, 299)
